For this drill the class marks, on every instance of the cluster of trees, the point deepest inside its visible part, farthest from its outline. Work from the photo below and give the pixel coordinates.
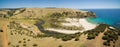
(63, 14)
(71, 14)
(101, 27)
(107, 43)
(23, 41)
(110, 35)
(16, 28)
(10, 13)
(64, 37)
(94, 32)
(3, 16)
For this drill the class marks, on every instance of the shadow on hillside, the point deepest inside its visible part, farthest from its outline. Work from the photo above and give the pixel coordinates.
(39, 25)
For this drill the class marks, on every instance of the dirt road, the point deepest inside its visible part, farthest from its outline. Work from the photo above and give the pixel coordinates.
(99, 40)
(5, 39)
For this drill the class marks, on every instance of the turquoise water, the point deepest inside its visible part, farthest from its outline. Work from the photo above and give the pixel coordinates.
(106, 16)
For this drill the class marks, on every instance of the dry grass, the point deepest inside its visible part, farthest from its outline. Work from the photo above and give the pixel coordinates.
(43, 42)
(3, 21)
(42, 12)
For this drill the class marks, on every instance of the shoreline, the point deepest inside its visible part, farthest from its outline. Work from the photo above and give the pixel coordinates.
(87, 25)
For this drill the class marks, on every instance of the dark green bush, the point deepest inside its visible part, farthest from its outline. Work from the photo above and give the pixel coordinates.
(60, 46)
(106, 43)
(35, 45)
(76, 39)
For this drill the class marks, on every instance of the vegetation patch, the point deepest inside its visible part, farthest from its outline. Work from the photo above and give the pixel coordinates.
(1, 30)
(16, 28)
(111, 35)
(91, 34)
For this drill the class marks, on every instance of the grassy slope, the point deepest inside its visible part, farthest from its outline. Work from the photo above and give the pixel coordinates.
(41, 12)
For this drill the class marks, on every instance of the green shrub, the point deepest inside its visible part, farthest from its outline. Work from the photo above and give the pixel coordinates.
(9, 43)
(1, 30)
(105, 37)
(60, 46)
(35, 45)
(19, 41)
(91, 36)
(24, 45)
(106, 43)
(76, 39)
(28, 39)
(17, 45)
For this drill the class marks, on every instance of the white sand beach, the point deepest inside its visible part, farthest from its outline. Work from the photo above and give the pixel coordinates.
(86, 24)
(64, 31)
(75, 22)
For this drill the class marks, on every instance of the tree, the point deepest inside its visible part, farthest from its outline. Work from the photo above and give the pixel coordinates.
(28, 39)
(66, 38)
(19, 41)
(24, 38)
(35, 45)
(60, 46)
(24, 44)
(106, 43)
(91, 36)
(9, 43)
(17, 45)
(105, 37)
(119, 33)
(1, 30)
(76, 39)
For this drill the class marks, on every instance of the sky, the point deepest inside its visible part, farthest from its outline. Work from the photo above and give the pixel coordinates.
(82, 4)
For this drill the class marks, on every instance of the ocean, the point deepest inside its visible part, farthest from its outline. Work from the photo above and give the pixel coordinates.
(106, 16)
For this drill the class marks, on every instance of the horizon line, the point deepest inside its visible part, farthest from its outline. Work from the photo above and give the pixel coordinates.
(58, 7)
